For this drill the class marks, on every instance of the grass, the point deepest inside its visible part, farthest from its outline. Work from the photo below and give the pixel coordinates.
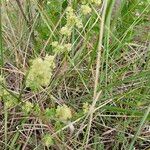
(107, 69)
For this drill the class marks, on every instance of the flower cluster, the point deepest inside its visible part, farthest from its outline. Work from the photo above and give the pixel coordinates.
(72, 20)
(58, 48)
(9, 99)
(86, 107)
(47, 140)
(95, 2)
(40, 72)
(63, 113)
(27, 107)
(85, 9)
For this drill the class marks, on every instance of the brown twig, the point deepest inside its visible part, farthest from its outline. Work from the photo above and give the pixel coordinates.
(21, 9)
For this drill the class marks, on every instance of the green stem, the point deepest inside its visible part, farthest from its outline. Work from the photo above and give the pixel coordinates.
(107, 35)
(139, 128)
(1, 46)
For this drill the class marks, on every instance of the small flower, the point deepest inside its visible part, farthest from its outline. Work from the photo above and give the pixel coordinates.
(49, 61)
(47, 140)
(54, 44)
(27, 107)
(69, 10)
(79, 23)
(68, 46)
(72, 20)
(86, 107)
(8, 99)
(85, 9)
(9, 103)
(65, 31)
(58, 48)
(97, 2)
(63, 112)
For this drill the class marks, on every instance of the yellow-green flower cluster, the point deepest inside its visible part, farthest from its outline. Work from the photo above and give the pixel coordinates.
(86, 107)
(40, 72)
(27, 107)
(66, 30)
(95, 2)
(47, 140)
(72, 20)
(58, 48)
(63, 113)
(9, 100)
(86, 9)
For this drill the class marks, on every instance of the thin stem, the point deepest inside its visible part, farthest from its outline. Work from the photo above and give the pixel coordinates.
(98, 62)
(21, 9)
(1, 45)
(139, 128)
